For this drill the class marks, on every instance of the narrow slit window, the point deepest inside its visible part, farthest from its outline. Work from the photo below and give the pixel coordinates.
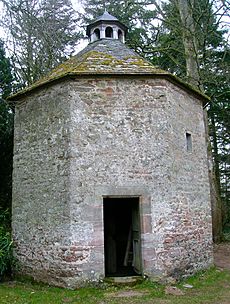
(189, 142)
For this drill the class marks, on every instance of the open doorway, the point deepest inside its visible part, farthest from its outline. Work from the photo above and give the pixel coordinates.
(122, 236)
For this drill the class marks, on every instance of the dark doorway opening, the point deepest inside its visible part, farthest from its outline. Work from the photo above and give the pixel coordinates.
(122, 236)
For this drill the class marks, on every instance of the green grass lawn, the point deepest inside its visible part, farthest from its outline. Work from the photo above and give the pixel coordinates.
(212, 286)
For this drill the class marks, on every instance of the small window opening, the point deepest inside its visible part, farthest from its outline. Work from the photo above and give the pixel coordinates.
(97, 34)
(109, 32)
(189, 142)
(120, 35)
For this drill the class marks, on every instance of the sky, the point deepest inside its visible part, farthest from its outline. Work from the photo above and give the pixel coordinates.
(83, 42)
(76, 5)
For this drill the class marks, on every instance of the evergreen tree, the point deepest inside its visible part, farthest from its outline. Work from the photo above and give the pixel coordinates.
(6, 131)
(188, 41)
(136, 15)
(207, 68)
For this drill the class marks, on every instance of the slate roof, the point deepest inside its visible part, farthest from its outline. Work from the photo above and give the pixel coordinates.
(111, 47)
(106, 17)
(103, 57)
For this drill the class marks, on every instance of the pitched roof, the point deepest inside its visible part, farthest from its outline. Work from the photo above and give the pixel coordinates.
(106, 17)
(103, 57)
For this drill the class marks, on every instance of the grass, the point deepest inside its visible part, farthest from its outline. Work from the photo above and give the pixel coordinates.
(212, 286)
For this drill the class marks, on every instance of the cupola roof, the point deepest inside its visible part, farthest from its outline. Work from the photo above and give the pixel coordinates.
(106, 17)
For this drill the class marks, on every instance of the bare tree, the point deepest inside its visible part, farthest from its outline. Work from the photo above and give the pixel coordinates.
(41, 34)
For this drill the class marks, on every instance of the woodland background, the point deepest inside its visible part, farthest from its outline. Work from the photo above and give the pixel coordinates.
(189, 38)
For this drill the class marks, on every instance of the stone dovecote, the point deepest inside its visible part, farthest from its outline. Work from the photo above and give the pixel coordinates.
(110, 172)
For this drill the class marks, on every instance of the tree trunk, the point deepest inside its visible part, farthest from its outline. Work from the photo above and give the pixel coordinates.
(189, 40)
(186, 8)
(216, 203)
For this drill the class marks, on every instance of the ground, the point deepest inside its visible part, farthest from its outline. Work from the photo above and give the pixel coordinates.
(222, 255)
(209, 287)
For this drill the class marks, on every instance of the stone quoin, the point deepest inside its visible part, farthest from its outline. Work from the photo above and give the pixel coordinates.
(110, 173)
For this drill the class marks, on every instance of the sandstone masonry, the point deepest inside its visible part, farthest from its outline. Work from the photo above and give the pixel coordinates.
(110, 172)
(81, 140)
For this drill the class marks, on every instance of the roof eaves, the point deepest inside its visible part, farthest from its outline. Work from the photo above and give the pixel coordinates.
(172, 78)
(188, 87)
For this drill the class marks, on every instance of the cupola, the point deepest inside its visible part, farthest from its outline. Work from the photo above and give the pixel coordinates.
(108, 27)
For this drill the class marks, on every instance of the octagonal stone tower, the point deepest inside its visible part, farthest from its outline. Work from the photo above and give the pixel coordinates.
(110, 170)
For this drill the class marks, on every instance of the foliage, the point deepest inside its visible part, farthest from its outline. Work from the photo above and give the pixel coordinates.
(208, 286)
(217, 86)
(134, 14)
(6, 155)
(5, 73)
(41, 33)
(211, 53)
(6, 256)
(164, 37)
(6, 131)
(5, 252)
(226, 233)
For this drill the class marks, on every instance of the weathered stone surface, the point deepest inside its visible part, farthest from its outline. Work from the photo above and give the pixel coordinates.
(88, 138)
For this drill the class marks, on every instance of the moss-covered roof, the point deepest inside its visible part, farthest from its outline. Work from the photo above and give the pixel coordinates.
(102, 57)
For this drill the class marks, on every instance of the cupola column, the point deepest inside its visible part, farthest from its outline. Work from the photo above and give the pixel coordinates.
(115, 32)
(102, 32)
